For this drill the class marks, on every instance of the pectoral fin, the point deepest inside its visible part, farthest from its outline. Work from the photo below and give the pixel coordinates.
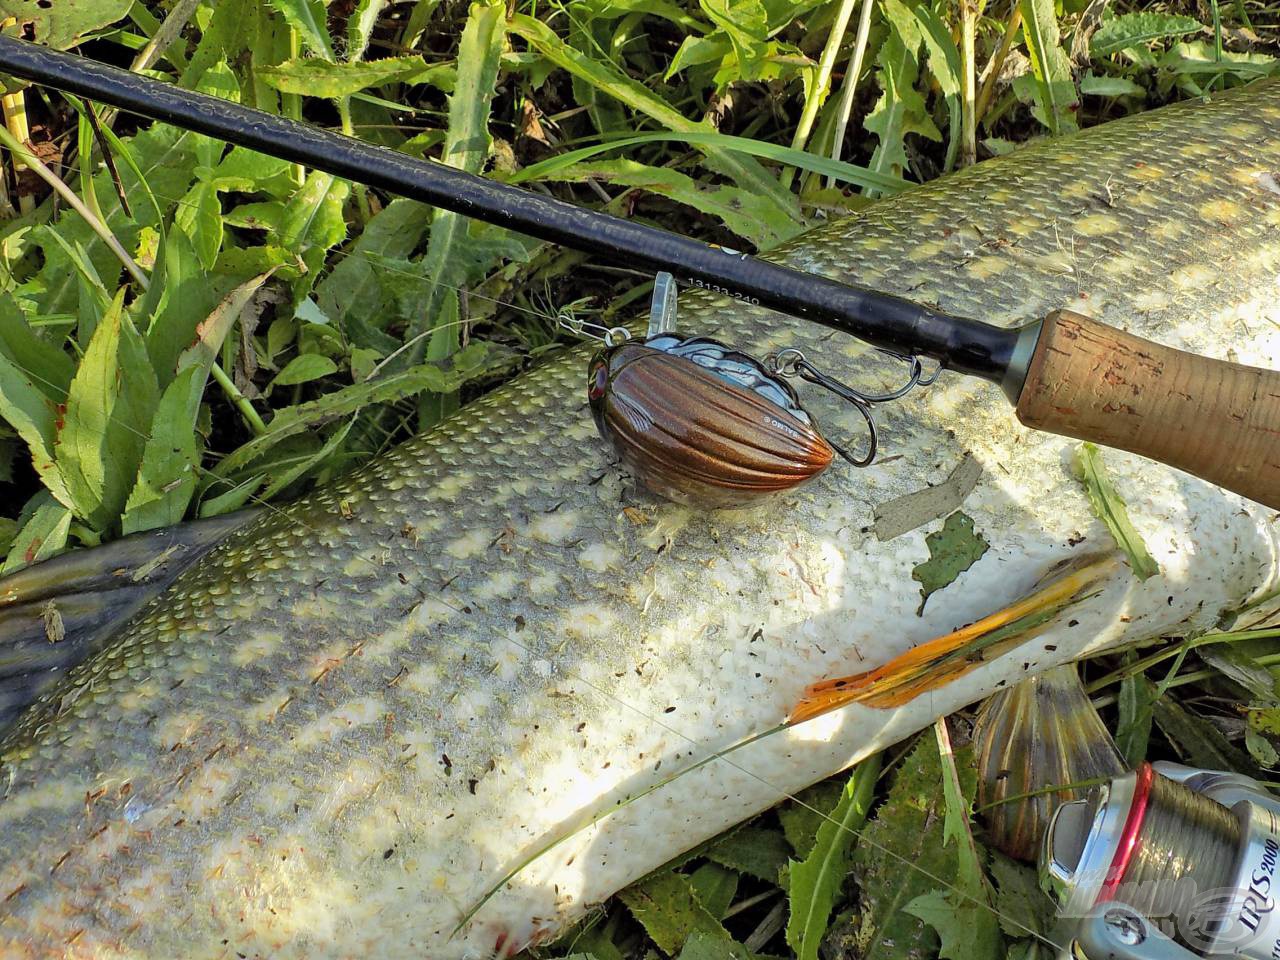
(56, 613)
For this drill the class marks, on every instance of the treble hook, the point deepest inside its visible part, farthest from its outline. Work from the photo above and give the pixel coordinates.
(791, 362)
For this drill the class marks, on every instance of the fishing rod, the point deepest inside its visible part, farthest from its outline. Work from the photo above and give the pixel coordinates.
(1066, 373)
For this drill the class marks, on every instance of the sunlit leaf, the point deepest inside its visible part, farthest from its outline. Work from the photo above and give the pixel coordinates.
(321, 78)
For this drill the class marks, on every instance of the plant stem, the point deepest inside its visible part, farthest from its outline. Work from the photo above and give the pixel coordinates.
(362, 195)
(237, 398)
(291, 103)
(969, 133)
(15, 120)
(850, 85)
(996, 63)
(821, 83)
(20, 150)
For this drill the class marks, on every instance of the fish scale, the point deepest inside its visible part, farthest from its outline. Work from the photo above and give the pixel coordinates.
(332, 734)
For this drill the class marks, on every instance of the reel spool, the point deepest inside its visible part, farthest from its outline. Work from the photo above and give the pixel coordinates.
(1168, 862)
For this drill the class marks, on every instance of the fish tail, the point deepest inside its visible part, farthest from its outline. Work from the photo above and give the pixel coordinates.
(56, 613)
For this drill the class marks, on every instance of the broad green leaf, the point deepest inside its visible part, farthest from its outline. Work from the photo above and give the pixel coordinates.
(636, 95)
(969, 928)
(224, 38)
(279, 480)
(179, 298)
(200, 217)
(901, 109)
(308, 18)
(963, 927)
(360, 27)
(353, 293)
(34, 415)
(815, 882)
(1109, 507)
(48, 367)
(1096, 86)
(304, 369)
(214, 329)
(62, 23)
(1055, 91)
(312, 221)
(217, 81)
(248, 171)
(669, 910)
(906, 830)
(265, 215)
(706, 946)
(320, 78)
(1200, 59)
(695, 51)
(607, 114)
(746, 24)
(1198, 742)
(801, 817)
(166, 158)
(43, 536)
(466, 147)
(715, 887)
(108, 415)
(1139, 29)
(952, 551)
(1261, 749)
(945, 67)
(228, 497)
(757, 851)
(167, 478)
(1134, 702)
(1023, 907)
(743, 212)
(1237, 665)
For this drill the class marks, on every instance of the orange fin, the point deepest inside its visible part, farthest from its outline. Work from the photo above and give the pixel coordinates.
(937, 662)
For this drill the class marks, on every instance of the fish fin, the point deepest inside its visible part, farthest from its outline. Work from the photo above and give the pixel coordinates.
(939, 661)
(56, 613)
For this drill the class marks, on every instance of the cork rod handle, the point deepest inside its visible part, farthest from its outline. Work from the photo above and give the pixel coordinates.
(1217, 420)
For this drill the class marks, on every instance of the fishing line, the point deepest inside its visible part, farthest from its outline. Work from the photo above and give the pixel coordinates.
(721, 755)
(379, 263)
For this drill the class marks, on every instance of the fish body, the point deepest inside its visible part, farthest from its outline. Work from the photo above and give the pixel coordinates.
(334, 732)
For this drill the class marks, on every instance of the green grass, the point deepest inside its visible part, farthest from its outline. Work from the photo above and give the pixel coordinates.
(245, 328)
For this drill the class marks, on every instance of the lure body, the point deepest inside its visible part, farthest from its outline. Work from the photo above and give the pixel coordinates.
(702, 424)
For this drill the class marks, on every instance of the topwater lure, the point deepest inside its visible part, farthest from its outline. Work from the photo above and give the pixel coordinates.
(701, 423)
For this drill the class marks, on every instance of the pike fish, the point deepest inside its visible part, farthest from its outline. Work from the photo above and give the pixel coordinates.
(349, 718)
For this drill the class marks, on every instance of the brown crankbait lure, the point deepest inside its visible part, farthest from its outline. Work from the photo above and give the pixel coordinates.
(700, 423)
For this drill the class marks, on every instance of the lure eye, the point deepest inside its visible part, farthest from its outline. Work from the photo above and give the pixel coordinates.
(597, 381)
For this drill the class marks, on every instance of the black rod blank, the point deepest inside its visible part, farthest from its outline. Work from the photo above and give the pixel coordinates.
(883, 320)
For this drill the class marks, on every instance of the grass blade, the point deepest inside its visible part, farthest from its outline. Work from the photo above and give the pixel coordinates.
(466, 147)
(815, 881)
(835, 169)
(1055, 90)
(746, 174)
(1109, 507)
(308, 18)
